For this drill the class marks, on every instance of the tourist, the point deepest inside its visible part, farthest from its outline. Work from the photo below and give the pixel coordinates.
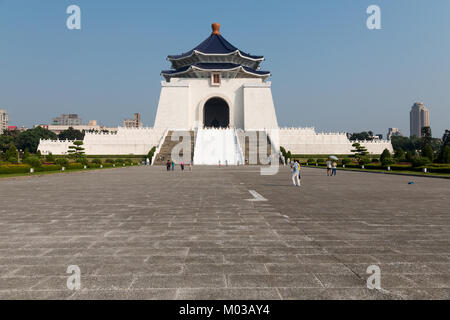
(190, 166)
(182, 165)
(173, 166)
(296, 173)
(148, 161)
(329, 172)
(220, 164)
(334, 168)
(168, 165)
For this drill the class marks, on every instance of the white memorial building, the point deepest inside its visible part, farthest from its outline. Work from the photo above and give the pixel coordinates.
(218, 95)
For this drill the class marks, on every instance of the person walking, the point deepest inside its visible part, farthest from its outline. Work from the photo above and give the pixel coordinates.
(296, 173)
(190, 166)
(182, 165)
(329, 172)
(334, 168)
(168, 165)
(173, 166)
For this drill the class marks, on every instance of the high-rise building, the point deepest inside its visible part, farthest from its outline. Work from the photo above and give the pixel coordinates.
(3, 121)
(419, 118)
(134, 123)
(67, 120)
(393, 132)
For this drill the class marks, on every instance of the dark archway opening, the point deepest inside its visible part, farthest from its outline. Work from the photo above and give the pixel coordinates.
(216, 113)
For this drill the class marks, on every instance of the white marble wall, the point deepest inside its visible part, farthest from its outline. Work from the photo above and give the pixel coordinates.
(307, 141)
(127, 141)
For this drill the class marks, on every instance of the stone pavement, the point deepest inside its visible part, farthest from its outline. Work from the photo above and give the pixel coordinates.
(144, 233)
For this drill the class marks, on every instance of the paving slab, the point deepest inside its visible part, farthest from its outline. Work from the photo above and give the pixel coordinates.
(145, 233)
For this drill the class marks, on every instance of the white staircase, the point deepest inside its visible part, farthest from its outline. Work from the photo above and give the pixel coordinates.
(217, 145)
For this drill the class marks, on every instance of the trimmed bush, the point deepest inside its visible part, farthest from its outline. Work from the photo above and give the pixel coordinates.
(421, 161)
(346, 161)
(33, 161)
(50, 158)
(75, 166)
(96, 161)
(63, 162)
(311, 161)
(47, 168)
(14, 168)
(364, 160)
(109, 161)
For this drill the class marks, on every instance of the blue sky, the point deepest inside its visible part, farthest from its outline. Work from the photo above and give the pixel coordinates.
(328, 69)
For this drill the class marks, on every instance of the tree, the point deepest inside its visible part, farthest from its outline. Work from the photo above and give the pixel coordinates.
(359, 150)
(30, 139)
(11, 155)
(71, 134)
(427, 137)
(446, 154)
(427, 152)
(361, 136)
(399, 154)
(151, 153)
(386, 158)
(409, 157)
(76, 150)
(444, 143)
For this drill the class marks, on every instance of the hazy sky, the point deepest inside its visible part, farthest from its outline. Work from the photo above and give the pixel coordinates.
(328, 69)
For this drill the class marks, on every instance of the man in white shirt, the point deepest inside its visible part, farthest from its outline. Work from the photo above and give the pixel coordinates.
(296, 173)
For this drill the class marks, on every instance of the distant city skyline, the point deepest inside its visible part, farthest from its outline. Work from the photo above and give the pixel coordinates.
(328, 70)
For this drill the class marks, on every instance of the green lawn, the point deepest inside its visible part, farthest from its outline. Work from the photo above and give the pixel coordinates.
(406, 173)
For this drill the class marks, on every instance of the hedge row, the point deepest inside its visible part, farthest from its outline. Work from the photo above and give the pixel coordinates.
(398, 167)
(25, 168)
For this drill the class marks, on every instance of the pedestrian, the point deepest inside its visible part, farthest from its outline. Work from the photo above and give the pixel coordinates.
(168, 165)
(182, 165)
(226, 163)
(190, 166)
(148, 161)
(334, 168)
(173, 166)
(220, 164)
(329, 172)
(296, 173)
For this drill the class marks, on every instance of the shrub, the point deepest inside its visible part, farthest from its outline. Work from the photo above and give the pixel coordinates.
(18, 168)
(375, 160)
(346, 161)
(111, 161)
(96, 161)
(63, 162)
(311, 161)
(421, 161)
(33, 161)
(84, 161)
(46, 168)
(364, 160)
(75, 166)
(50, 158)
(119, 161)
(409, 156)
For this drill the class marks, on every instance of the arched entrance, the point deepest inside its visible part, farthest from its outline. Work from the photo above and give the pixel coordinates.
(216, 113)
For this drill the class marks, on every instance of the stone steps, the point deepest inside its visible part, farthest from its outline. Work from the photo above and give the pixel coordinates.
(165, 153)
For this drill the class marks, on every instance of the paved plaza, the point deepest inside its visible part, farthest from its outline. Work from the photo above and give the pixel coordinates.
(144, 233)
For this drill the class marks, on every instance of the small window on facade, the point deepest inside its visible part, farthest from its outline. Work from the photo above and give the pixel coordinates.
(215, 79)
